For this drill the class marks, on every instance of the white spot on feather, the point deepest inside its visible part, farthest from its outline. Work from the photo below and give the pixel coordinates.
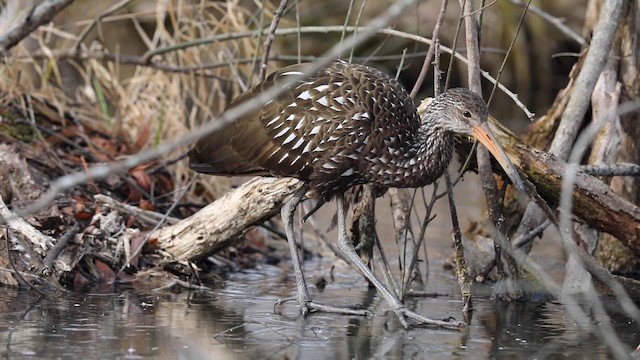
(322, 88)
(289, 139)
(297, 144)
(307, 148)
(360, 116)
(315, 130)
(347, 172)
(282, 132)
(305, 95)
(286, 155)
(292, 73)
(273, 152)
(323, 101)
(273, 120)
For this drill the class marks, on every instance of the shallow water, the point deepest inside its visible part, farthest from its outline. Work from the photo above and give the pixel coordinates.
(238, 321)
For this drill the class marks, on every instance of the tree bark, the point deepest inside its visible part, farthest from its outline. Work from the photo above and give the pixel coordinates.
(611, 253)
(224, 221)
(594, 202)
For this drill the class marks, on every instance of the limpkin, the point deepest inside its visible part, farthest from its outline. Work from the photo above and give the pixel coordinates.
(346, 125)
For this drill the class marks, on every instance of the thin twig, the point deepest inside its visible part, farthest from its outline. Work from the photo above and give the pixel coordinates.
(557, 22)
(146, 59)
(298, 34)
(623, 169)
(462, 271)
(423, 230)
(160, 223)
(427, 60)
(453, 45)
(55, 251)
(38, 15)
(88, 28)
(522, 241)
(509, 49)
(228, 117)
(346, 21)
(269, 40)
(357, 24)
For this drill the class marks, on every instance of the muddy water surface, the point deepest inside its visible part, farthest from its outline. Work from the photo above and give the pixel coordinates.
(237, 320)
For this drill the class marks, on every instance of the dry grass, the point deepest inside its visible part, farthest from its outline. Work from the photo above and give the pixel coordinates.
(106, 84)
(142, 105)
(145, 105)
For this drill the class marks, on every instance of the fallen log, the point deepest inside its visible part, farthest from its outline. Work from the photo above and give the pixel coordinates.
(224, 221)
(594, 203)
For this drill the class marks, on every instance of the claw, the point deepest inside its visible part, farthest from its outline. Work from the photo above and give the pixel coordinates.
(449, 322)
(308, 306)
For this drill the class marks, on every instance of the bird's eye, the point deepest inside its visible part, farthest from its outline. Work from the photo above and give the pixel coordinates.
(466, 114)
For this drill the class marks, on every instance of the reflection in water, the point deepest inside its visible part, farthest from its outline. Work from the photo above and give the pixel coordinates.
(238, 322)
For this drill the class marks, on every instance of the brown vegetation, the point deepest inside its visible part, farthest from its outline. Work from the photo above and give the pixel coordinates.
(104, 83)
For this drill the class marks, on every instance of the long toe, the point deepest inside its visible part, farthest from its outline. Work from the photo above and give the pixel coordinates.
(308, 306)
(449, 323)
(314, 306)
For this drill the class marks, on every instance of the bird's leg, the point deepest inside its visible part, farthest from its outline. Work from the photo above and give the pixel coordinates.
(302, 296)
(345, 245)
(315, 208)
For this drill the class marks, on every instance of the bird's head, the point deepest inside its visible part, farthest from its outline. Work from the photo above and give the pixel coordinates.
(463, 112)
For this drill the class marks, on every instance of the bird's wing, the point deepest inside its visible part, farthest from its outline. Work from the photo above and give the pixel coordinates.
(231, 150)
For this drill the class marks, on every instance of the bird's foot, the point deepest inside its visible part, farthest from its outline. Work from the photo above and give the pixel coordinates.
(404, 314)
(309, 306)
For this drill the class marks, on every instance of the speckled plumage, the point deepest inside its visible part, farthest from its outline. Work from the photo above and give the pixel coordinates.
(346, 125)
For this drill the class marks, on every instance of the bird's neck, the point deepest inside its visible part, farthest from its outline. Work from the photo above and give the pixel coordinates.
(427, 155)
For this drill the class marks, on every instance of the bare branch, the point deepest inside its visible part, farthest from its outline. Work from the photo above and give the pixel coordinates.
(40, 14)
(228, 117)
(558, 23)
(21, 226)
(146, 59)
(224, 221)
(594, 62)
(611, 170)
(427, 59)
(269, 40)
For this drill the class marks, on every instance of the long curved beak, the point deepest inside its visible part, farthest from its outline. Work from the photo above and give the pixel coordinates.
(483, 133)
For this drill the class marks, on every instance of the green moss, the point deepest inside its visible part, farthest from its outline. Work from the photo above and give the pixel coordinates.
(18, 130)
